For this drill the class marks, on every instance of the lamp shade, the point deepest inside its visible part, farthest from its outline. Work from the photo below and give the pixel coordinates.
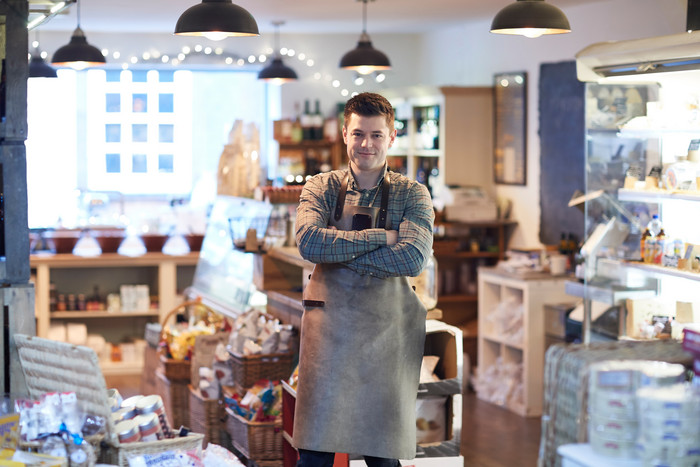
(38, 68)
(530, 18)
(78, 53)
(277, 72)
(364, 58)
(216, 19)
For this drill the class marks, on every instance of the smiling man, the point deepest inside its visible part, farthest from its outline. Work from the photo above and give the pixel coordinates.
(367, 229)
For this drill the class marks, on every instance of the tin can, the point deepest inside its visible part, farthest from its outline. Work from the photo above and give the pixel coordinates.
(115, 399)
(154, 404)
(128, 431)
(131, 401)
(149, 426)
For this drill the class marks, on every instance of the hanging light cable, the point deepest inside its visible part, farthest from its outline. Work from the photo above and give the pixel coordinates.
(216, 20)
(277, 72)
(364, 58)
(78, 54)
(530, 18)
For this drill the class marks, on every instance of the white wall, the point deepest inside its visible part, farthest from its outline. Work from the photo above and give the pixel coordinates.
(465, 55)
(475, 55)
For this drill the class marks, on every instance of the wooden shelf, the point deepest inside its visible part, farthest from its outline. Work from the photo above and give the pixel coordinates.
(457, 298)
(158, 268)
(503, 340)
(530, 295)
(102, 314)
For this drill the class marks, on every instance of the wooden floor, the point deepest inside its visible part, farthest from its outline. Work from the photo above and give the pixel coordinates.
(493, 436)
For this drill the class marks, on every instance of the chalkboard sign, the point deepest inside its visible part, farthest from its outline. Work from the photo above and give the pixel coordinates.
(562, 150)
(510, 109)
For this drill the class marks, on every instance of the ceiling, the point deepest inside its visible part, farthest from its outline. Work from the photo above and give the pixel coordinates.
(300, 16)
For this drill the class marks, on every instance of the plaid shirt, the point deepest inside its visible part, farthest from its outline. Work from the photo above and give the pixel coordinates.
(366, 251)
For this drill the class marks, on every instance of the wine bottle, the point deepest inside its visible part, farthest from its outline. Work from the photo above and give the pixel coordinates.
(307, 122)
(317, 122)
(297, 130)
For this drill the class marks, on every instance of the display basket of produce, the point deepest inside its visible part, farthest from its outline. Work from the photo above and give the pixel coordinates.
(258, 441)
(206, 416)
(249, 369)
(173, 350)
(176, 398)
(52, 366)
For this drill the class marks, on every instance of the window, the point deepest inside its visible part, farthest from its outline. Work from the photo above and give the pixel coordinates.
(146, 134)
(158, 121)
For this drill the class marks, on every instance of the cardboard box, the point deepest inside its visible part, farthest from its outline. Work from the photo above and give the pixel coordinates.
(455, 461)
(470, 204)
(687, 312)
(445, 342)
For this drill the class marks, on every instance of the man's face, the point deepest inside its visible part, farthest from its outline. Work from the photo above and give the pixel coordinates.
(368, 140)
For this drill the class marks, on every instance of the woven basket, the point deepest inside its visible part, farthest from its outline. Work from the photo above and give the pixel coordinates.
(564, 415)
(206, 416)
(120, 455)
(249, 369)
(259, 441)
(151, 363)
(51, 366)
(176, 399)
(179, 370)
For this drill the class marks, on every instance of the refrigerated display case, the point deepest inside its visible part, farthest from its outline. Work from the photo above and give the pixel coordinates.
(642, 134)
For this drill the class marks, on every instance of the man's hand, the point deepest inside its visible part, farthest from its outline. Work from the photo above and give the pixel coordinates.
(392, 237)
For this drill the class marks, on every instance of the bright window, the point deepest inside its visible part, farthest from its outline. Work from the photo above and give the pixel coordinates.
(138, 134)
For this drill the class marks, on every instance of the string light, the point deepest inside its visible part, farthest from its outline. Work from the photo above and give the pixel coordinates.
(220, 56)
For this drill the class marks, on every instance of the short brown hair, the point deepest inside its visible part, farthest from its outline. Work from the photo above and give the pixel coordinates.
(369, 104)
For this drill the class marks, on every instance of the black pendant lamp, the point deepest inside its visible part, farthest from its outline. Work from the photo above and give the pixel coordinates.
(364, 58)
(38, 68)
(277, 72)
(530, 18)
(78, 54)
(216, 20)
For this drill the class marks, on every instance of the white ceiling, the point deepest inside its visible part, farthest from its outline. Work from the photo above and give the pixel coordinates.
(300, 16)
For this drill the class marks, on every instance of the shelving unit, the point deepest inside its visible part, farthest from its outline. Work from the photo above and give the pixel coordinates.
(458, 295)
(525, 347)
(307, 157)
(463, 118)
(166, 275)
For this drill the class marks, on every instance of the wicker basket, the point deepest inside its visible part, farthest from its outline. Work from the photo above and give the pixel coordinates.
(176, 399)
(249, 369)
(51, 366)
(206, 416)
(259, 441)
(179, 370)
(564, 419)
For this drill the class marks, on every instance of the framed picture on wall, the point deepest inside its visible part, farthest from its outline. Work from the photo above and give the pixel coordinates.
(510, 128)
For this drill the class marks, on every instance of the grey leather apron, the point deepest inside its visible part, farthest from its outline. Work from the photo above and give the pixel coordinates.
(362, 340)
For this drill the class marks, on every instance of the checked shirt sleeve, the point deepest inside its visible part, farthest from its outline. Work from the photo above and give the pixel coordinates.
(409, 256)
(319, 244)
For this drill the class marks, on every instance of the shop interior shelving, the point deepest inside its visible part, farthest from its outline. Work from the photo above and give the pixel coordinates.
(524, 347)
(166, 276)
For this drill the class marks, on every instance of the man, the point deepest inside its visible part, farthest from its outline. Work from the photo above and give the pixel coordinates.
(363, 329)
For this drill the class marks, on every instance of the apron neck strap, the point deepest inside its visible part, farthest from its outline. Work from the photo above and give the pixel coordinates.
(383, 210)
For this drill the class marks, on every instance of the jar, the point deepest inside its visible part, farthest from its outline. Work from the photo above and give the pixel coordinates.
(128, 431)
(115, 399)
(149, 427)
(154, 404)
(426, 283)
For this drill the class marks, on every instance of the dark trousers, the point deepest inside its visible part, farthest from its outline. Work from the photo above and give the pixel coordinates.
(325, 459)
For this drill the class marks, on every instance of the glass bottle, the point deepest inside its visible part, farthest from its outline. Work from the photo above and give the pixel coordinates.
(425, 284)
